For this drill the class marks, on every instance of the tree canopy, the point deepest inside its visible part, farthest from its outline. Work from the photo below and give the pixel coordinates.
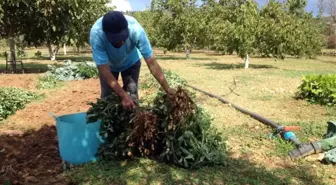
(50, 22)
(228, 26)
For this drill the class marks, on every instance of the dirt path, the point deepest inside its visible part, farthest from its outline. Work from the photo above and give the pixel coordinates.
(26, 81)
(71, 98)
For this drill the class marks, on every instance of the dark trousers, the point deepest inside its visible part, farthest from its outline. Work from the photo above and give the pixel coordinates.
(130, 78)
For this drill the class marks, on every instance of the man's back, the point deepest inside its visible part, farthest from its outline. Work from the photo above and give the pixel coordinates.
(135, 45)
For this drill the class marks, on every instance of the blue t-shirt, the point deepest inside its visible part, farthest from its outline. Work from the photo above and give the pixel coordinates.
(122, 58)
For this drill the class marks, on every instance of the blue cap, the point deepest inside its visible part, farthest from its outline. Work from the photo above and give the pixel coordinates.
(115, 26)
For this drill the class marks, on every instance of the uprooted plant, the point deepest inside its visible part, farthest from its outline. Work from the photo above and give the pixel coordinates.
(174, 130)
(188, 139)
(153, 89)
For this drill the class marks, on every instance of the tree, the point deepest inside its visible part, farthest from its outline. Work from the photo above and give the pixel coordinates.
(273, 20)
(147, 21)
(328, 7)
(245, 18)
(86, 16)
(13, 16)
(218, 29)
(228, 26)
(175, 24)
(49, 22)
(296, 7)
(64, 22)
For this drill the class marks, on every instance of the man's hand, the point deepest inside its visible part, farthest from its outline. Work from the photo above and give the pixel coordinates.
(128, 103)
(126, 100)
(171, 91)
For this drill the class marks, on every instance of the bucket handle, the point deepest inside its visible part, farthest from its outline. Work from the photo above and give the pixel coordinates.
(54, 116)
(100, 138)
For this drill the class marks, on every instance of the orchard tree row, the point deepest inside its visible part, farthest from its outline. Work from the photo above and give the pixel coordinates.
(226, 26)
(234, 26)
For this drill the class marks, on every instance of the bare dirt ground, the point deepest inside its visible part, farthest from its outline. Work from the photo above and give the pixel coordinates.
(71, 98)
(34, 157)
(27, 81)
(31, 159)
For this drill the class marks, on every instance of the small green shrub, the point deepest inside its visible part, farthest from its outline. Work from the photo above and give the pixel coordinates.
(2, 54)
(73, 71)
(320, 89)
(22, 53)
(173, 79)
(47, 82)
(88, 70)
(13, 99)
(38, 54)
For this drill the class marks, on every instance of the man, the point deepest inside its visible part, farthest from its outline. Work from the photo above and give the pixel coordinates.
(117, 43)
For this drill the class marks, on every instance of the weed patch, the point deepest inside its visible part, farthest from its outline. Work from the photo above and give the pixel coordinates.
(13, 99)
(73, 71)
(47, 82)
(319, 89)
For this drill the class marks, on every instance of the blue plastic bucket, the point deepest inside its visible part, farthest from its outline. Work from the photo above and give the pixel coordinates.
(78, 141)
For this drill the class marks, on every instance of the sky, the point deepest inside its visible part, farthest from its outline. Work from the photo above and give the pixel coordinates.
(137, 5)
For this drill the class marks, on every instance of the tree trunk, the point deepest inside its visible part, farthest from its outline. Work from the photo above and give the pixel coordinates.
(12, 48)
(53, 52)
(50, 50)
(64, 49)
(12, 53)
(247, 61)
(187, 54)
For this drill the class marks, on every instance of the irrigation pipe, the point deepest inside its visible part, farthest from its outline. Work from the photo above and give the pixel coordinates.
(288, 135)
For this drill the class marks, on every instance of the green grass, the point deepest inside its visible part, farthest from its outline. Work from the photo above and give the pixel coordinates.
(75, 58)
(192, 58)
(266, 98)
(48, 82)
(282, 147)
(144, 171)
(29, 67)
(296, 73)
(267, 88)
(223, 66)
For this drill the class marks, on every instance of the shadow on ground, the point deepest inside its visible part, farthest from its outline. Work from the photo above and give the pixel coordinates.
(328, 61)
(28, 68)
(74, 58)
(30, 158)
(221, 66)
(144, 171)
(36, 153)
(167, 57)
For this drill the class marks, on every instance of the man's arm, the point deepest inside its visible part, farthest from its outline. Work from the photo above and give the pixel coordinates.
(156, 71)
(126, 100)
(104, 70)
